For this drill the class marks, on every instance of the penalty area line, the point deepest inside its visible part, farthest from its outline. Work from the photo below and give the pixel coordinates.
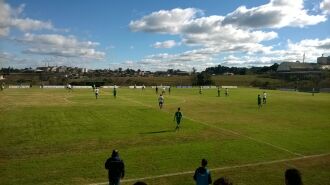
(221, 168)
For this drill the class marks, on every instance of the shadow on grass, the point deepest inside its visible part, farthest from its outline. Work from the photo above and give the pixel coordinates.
(158, 132)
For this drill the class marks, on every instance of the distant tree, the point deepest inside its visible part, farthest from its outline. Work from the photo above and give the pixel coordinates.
(202, 79)
(194, 70)
(223, 69)
(170, 71)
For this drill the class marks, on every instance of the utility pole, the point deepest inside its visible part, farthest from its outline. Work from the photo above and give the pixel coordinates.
(304, 58)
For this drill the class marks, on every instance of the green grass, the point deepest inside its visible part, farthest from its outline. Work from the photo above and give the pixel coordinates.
(59, 137)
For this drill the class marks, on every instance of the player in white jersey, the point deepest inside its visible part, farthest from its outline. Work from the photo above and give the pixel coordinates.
(161, 101)
(97, 92)
(264, 98)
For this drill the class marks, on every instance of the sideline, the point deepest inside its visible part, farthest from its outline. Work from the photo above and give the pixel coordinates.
(220, 168)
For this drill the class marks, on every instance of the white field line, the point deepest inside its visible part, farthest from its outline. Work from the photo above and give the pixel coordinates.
(226, 130)
(221, 168)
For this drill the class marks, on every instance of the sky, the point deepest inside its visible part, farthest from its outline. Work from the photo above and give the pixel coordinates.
(162, 34)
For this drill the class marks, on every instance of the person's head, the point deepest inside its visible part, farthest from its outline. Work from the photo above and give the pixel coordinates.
(140, 183)
(292, 177)
(179, 109)
(115, 153)
(258, 95)
(222, 181)
(204, 162)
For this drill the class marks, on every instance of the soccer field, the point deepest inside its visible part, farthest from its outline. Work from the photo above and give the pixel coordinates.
(52, 136)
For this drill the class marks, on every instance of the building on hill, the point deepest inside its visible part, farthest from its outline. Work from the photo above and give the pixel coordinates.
(298, 70)
(42, 69)
(297, 67)
(61, 69)
(324, 62)
(228, 74)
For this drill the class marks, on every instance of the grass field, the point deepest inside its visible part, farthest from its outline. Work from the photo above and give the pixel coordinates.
(59, 137)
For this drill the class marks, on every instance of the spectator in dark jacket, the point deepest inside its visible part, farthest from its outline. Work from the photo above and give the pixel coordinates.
(202, 175)
(115, 167)
(292, 177)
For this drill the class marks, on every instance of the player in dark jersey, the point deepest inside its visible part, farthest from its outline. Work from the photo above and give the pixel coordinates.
(259, 101)
(114, 91)
(177, 118)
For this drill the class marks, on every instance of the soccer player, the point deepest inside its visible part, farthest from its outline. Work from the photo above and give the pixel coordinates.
(264, 97)
(2, 87)
(161, 101)
(226, 92)
(169, 90)
(177, 118)
(69, 87)
(218, 91)
(259, 101)
(156, 89)
(114, 91)
(163, 91)
(96, 92)
(200, 90)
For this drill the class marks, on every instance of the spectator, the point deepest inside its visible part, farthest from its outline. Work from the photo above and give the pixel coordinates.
(222, 181)
(202, 175)
(115, 167)
(292, 177)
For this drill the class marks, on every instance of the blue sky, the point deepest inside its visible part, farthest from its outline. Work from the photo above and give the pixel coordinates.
(158, 35)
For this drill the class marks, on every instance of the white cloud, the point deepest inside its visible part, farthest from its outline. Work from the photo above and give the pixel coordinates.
(225, 35)
(198, 58)
(166, 44)
(28, 24)
(59, 45)
(275, 14)
(242, 32)
(9, 59)
(312, 48)
(205, 31)
(11, 18)
(263, 56)
(164, 21)
(56, 40)
(325, 6)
